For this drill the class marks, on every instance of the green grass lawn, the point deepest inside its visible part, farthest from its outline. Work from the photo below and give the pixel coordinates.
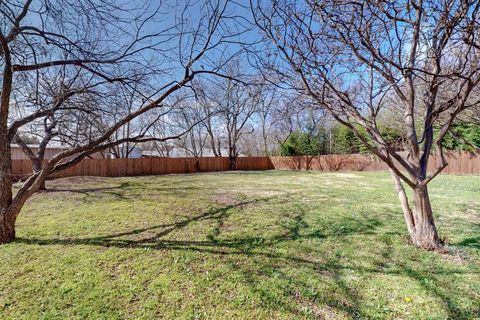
(243, 245)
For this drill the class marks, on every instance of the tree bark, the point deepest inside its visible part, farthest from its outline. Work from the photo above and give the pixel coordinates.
(197, 164)
(402, 196)
(232, 160)
(7, 227)
(7, 221)
(425, 233)
(37, 167)
(420, 222)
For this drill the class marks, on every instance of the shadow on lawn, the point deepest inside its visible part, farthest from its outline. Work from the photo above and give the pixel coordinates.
(115, 191)
(127, 190)
(472, 242)
(335, 269)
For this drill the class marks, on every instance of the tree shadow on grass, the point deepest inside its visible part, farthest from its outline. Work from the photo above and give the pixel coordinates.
(472, 242)
(249, 246)
(116, 191)
(333, 268)
(127, 190)
(429, 278)
(150, 240)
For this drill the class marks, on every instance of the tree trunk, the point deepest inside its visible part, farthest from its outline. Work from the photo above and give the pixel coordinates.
(402, 196)
(425, 233)
(197, 164)
(7, 228)
(233, 162)
(265, 147)
(7, 221)
(37, 167)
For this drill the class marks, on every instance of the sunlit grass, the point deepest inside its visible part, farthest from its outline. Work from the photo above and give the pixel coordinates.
(255, 245)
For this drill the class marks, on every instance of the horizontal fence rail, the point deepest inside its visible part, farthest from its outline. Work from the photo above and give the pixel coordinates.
(459, 163)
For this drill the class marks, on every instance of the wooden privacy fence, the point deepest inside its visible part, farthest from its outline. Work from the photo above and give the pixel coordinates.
(459, 163)
(335, 162)
(147, 166)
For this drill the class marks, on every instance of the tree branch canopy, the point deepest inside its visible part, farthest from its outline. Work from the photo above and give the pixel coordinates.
(95, 74)
(362, 60)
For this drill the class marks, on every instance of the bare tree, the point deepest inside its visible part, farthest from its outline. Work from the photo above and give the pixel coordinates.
(102, 41)
(235, 103)
(351, 57)
(268, 106)
(36, 155)
(52, 91)
(125, 104)
(190, 118)
(210, 114)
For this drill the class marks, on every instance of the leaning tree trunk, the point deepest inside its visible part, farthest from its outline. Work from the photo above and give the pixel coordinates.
(425, 233)
(402, 196)
(37, 167)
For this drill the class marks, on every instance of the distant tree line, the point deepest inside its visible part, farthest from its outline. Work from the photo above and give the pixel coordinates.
(338, 139)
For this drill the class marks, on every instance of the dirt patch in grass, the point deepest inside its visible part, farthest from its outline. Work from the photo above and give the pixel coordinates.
(226, 199)
(456, 256)
(345, 175)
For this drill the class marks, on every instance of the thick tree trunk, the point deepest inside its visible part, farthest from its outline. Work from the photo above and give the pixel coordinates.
(7, 221)
(7, 228)
(420, 222)
(425, 233)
